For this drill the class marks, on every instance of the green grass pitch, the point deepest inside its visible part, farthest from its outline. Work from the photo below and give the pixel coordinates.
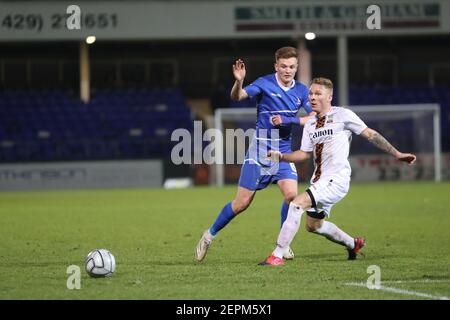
(153, 233)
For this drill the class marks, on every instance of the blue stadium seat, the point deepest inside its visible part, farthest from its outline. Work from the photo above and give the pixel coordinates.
(101, 128)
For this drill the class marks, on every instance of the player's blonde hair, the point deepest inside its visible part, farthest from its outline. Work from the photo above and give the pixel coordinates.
(327, 83)
(286, 53)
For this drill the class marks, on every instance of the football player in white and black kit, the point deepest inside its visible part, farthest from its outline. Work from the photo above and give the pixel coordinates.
(327, 136)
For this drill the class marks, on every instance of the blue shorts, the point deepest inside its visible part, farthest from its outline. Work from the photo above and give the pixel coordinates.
(257, 177)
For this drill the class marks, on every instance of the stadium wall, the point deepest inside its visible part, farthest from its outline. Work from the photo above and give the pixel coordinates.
(138, 20)
(81, 175)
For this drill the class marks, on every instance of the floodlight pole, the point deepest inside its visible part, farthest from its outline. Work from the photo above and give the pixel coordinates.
(85, 78)
(304, 63)
(437, 144)
(342, 70)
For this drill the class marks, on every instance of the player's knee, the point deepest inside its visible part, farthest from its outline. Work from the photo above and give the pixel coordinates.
(303, 200)
(299, 201)
(311, 227)
(289, 197)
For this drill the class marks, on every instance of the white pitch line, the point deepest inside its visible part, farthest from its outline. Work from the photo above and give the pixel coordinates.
(397, 290)
(417, 281)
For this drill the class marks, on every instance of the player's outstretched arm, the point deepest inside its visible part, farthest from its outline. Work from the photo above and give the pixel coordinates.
(379, 141)
(296, 156)
(237, 92)
(278, 120)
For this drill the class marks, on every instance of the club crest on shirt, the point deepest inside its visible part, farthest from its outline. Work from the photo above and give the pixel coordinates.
(299, 101)
(330, 119)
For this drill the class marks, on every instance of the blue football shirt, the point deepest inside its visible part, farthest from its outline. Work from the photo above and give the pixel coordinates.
(272, 100)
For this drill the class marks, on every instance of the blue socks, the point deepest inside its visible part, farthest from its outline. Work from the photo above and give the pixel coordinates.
(284, 212)
(225, 216)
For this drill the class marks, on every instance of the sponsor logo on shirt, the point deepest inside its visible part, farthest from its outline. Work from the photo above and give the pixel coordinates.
(322, 133)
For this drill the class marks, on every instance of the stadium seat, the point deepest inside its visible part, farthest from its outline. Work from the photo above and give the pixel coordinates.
(73, 130)
(101, 128)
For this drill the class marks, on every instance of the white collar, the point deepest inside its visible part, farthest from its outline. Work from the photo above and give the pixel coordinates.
(282, 86)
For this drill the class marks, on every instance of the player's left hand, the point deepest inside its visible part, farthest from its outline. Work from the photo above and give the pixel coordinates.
(409, 158)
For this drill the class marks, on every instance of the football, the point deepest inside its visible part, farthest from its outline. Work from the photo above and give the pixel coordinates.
(100, 263)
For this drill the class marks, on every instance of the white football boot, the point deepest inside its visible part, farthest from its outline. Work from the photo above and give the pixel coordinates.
(203, 245)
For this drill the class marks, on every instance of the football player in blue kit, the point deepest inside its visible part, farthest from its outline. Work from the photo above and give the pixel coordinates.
(279, 99)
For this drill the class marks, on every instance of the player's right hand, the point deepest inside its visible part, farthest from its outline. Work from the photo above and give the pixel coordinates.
(274, 156)
(239, 70)
(276, 120)
(409, 158)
